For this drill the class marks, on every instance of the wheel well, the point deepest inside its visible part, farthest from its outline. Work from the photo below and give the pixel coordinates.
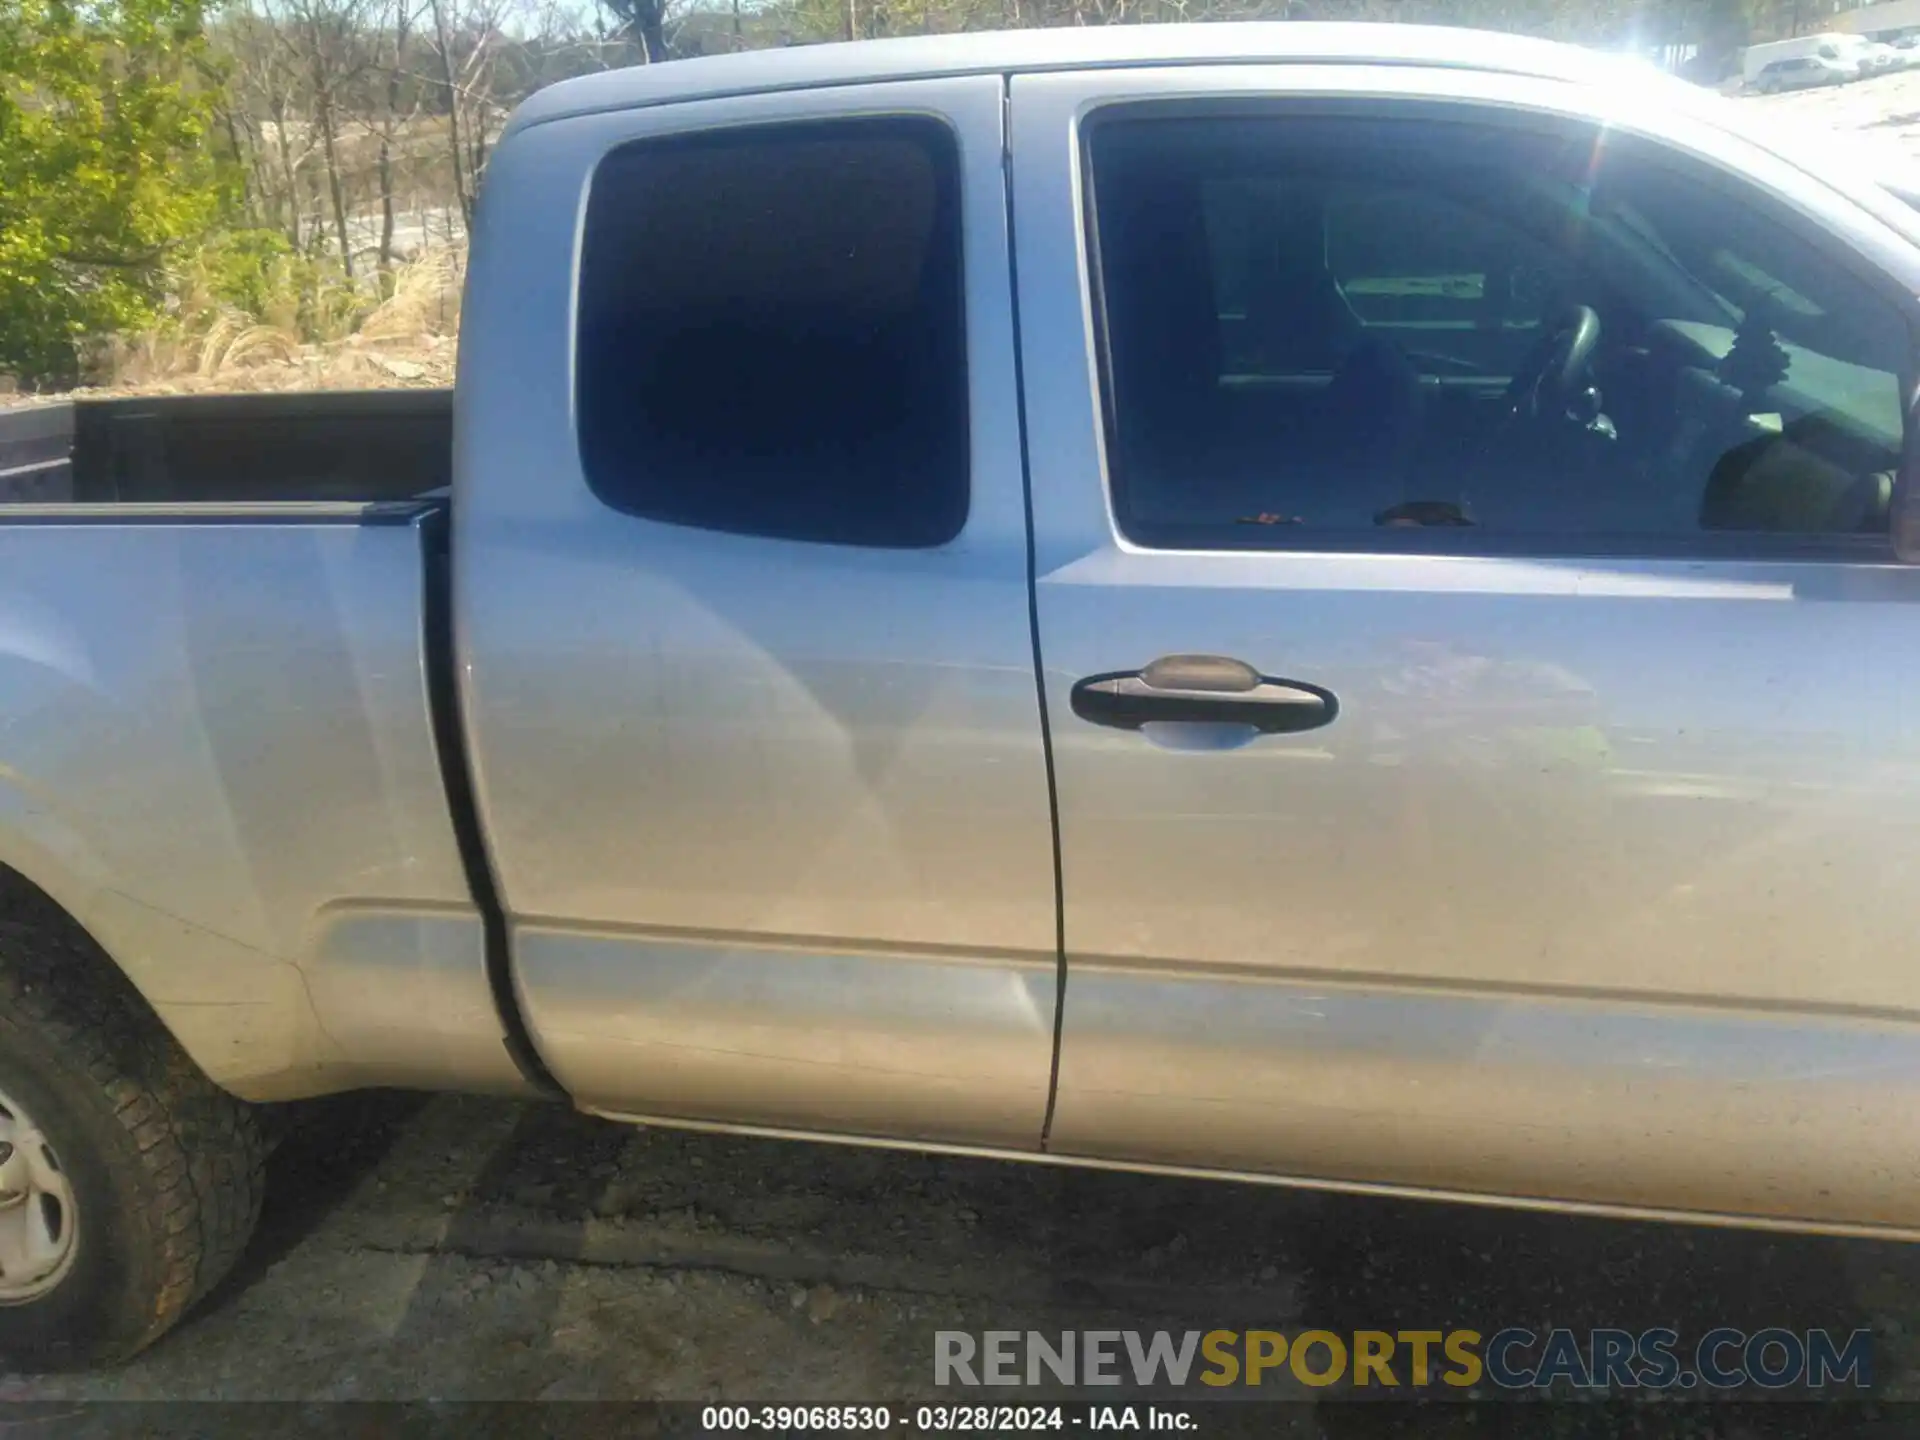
(24, 905)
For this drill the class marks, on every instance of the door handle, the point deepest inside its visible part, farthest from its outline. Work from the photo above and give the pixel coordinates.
(1202, 689)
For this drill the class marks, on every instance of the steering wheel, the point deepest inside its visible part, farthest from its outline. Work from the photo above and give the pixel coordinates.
(1554, 372)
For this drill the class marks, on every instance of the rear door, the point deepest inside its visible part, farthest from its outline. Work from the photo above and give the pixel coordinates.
(1468, 779)
(742, 601)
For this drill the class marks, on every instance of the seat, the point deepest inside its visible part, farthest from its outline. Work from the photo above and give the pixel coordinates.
(1194, 451)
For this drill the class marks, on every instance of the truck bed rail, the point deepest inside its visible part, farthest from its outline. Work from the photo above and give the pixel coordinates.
(357, 446)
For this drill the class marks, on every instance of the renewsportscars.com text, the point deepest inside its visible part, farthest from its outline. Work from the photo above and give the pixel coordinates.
(1509, 1359)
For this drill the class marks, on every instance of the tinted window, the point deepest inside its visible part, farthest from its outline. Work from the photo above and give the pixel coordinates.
(771, 334)
(1324, 328)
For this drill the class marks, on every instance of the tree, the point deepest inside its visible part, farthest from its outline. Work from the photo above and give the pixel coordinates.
(392, 120)
(645, 23)
(103, 169)
(266, 96)
(327, 35)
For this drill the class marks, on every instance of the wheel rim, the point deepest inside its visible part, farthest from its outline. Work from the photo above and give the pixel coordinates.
(38, 1220)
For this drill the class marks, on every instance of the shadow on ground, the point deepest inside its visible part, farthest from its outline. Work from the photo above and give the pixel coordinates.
(524, 1251)
(325, 1150)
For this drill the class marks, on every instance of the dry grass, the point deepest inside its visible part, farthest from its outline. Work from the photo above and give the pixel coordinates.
(407, 339)
(425, 299)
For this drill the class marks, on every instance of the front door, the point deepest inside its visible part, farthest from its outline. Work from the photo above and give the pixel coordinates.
(1484, 703)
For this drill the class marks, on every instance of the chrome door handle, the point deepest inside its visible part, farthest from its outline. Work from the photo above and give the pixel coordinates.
(1202, 689)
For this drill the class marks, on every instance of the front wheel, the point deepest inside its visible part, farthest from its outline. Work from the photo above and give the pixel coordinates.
(129, 1182)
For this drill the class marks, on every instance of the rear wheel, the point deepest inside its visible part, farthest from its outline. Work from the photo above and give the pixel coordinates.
(37, 1209)
(129, 1182)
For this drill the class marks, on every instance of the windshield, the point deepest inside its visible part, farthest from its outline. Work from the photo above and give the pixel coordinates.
(1871, 168)
(1904, 186)
(1892, 173)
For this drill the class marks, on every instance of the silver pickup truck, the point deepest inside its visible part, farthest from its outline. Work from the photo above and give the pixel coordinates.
(1327, 605)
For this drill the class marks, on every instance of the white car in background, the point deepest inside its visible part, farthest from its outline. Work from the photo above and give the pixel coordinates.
(1804, 72)
(1878, 59)
(1844, 55)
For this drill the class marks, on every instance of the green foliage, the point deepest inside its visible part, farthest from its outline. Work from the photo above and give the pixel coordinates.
(103, 169)
(250, 270)
(258, 274)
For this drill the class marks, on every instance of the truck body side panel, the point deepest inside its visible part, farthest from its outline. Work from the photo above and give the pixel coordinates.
(769, 818)
(215, 753)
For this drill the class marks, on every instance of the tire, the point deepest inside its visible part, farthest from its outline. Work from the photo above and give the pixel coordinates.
(162, 1170)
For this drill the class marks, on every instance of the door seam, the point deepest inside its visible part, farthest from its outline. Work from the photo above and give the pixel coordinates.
(1033, 615)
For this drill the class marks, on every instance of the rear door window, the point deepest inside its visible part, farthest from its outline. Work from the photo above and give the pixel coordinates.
(771, 335)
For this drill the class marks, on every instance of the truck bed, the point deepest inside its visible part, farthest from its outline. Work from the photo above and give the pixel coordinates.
(351, 446)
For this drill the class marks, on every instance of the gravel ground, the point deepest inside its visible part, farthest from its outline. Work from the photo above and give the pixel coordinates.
(464, 1250)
